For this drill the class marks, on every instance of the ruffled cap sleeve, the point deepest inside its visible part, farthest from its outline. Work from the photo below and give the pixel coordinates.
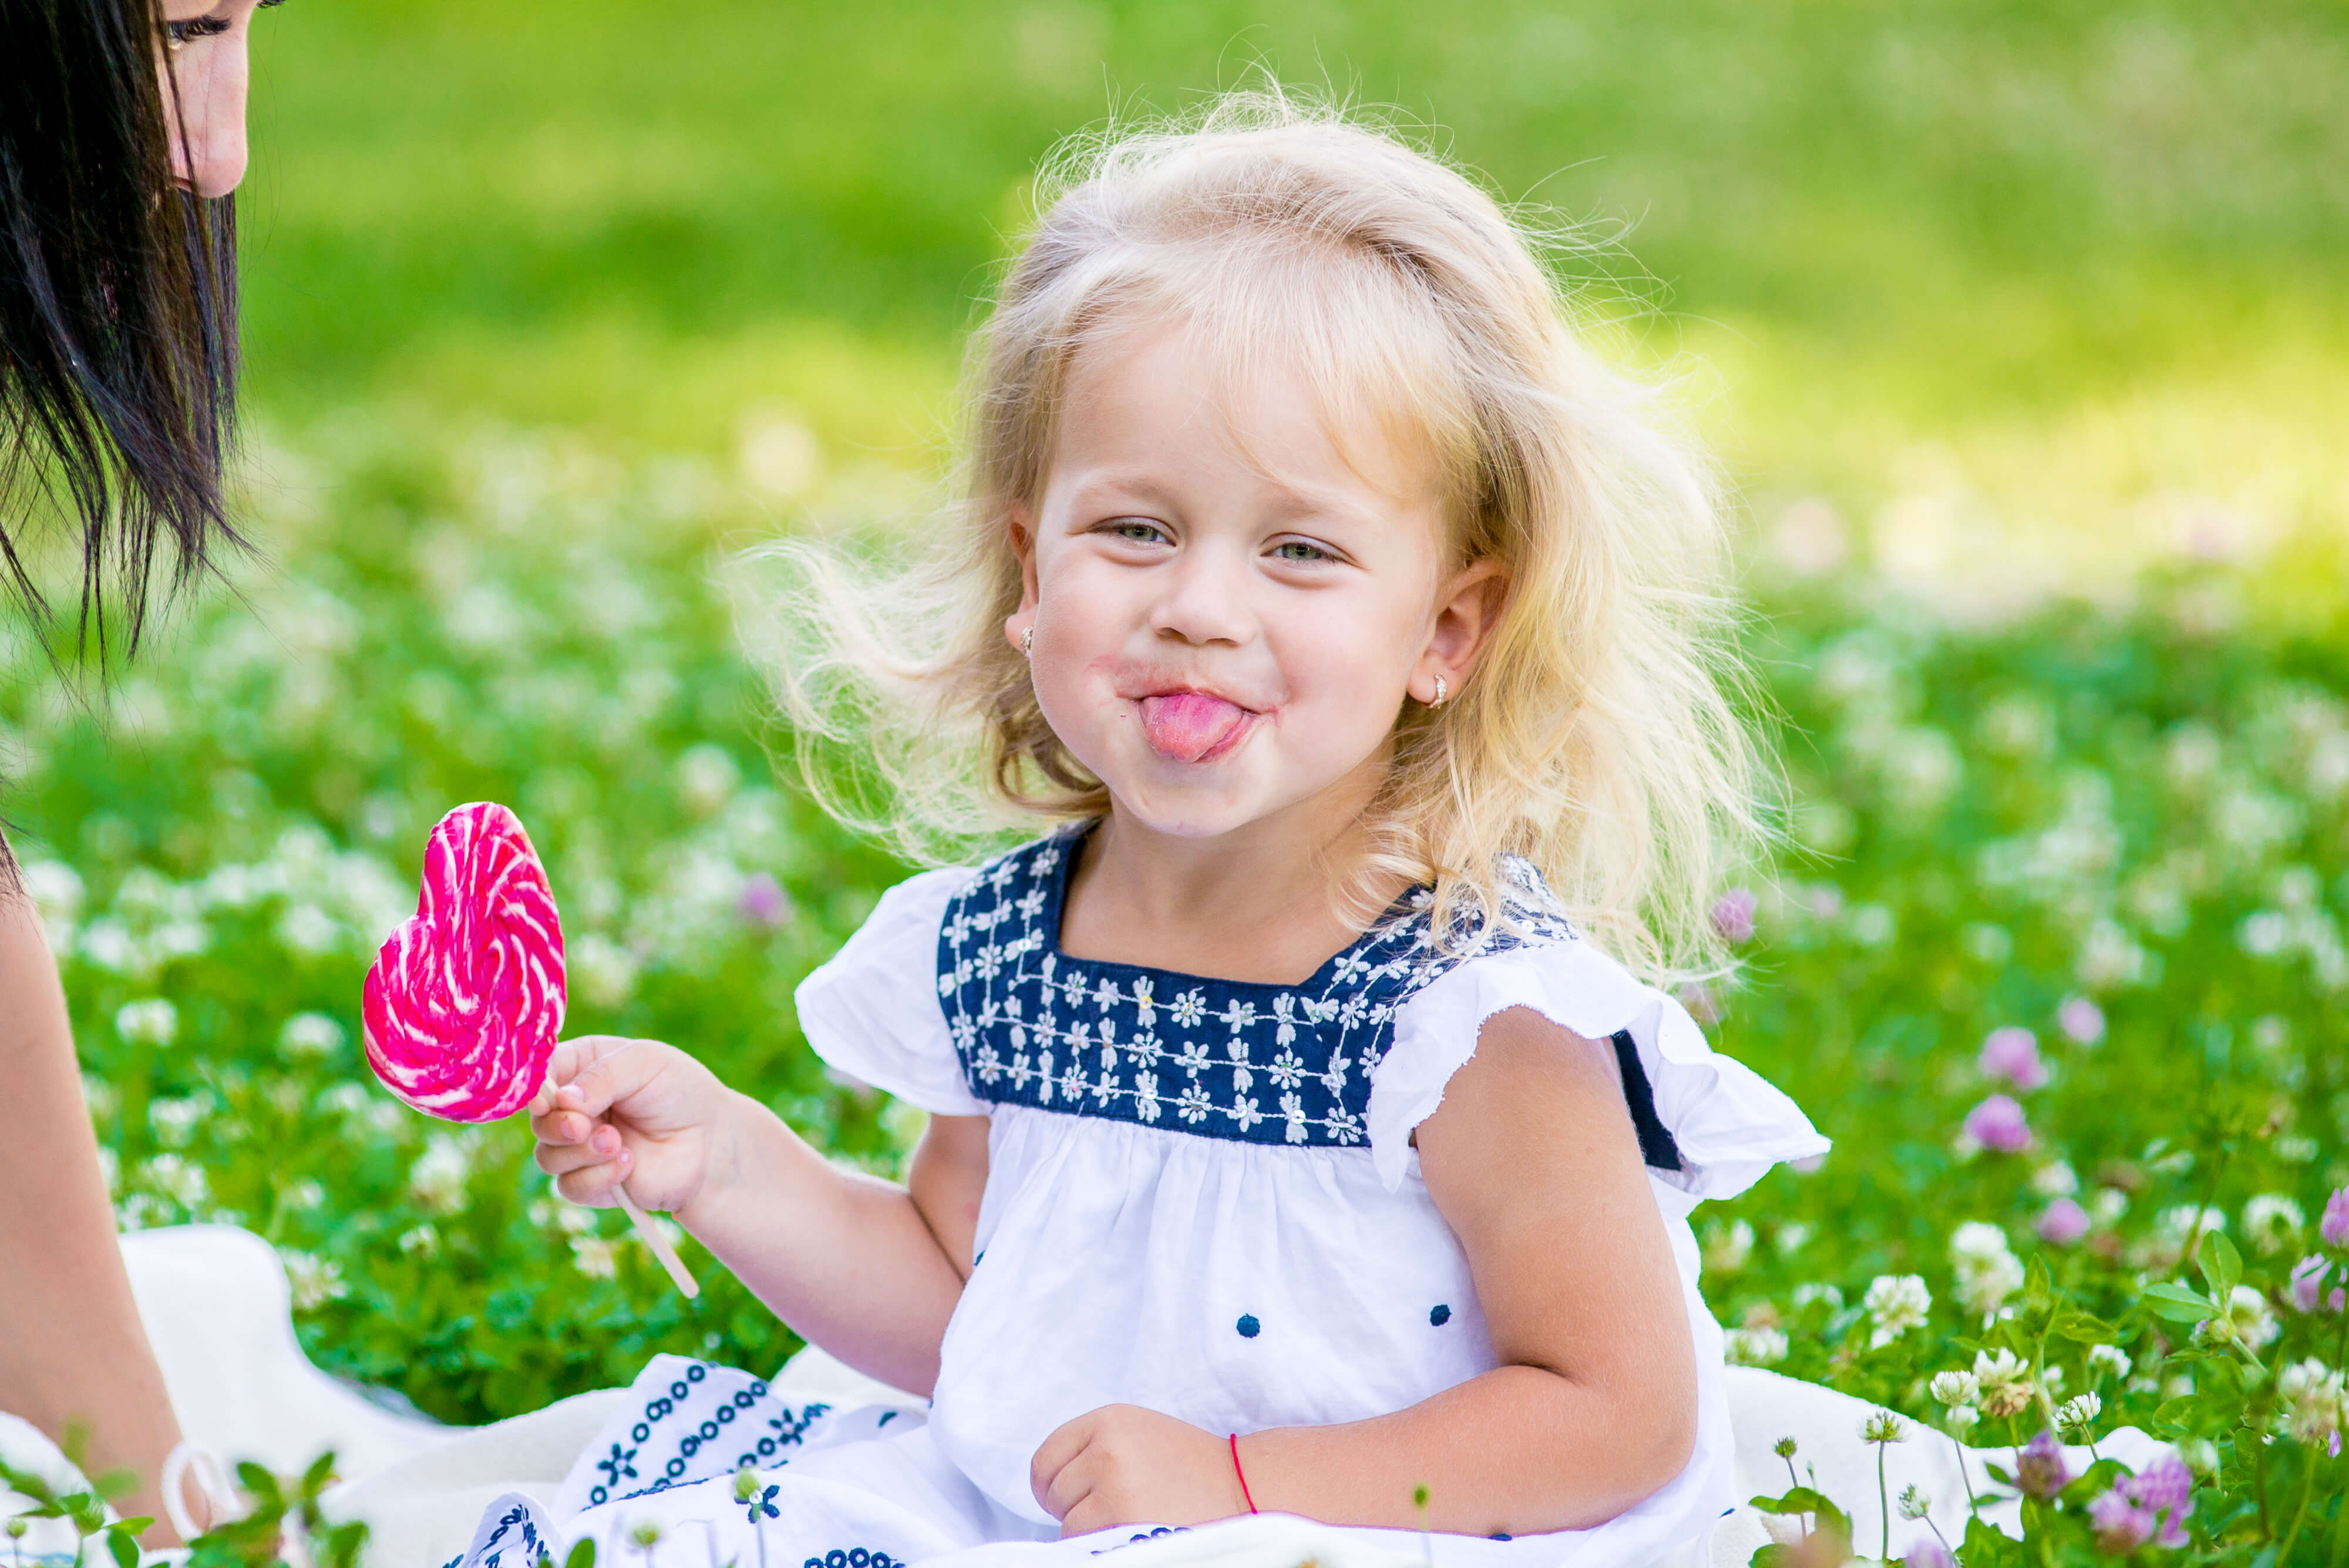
(1730, 1123)
(873, 1011)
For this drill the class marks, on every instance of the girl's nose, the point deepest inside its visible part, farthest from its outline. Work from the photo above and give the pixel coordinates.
(1205, 596)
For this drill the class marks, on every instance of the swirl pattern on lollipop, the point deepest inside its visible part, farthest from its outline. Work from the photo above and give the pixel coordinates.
(465, 1000)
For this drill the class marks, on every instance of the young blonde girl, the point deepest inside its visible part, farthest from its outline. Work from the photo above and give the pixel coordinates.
(1301, 1139)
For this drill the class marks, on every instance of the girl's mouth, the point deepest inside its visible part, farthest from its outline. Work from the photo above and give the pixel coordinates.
(1194, 726)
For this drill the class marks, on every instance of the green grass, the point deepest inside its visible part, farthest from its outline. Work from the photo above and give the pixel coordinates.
(2020, 328)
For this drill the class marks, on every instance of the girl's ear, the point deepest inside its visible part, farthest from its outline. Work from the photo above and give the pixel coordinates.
(1019, 533)
(1466, 609)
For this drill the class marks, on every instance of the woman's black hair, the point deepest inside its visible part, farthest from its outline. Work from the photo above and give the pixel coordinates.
(117, 317)
(117, 321)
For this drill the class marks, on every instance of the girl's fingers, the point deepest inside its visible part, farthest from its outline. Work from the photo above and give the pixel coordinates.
(563, 1126)
(1045, 1471)
(557, 1159)
(571, 1057)
(614, 1075)
(591, 1188)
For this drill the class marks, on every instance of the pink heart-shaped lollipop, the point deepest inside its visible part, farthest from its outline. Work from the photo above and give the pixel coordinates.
(465, 1002)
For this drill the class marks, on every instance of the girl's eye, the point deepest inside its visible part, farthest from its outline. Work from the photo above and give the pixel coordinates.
(1300, 550)
(1136, 530)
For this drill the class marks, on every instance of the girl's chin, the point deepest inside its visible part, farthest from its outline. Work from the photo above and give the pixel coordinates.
(1186, 809)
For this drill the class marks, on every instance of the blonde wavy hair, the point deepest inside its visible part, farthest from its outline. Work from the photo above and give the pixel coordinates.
(1596, 736)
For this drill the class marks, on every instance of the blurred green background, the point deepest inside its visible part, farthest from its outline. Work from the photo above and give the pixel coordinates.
(2076, 266)
(2023, 332)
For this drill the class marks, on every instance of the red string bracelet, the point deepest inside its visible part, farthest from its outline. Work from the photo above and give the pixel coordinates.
(1246, 1496)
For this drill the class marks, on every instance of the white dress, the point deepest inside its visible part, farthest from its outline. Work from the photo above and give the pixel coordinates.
(1201, 1198)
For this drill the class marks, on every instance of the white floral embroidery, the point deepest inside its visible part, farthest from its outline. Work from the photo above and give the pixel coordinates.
(1000, 974)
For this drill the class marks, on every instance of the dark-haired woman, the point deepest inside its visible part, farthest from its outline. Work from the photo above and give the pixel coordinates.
(122, 135)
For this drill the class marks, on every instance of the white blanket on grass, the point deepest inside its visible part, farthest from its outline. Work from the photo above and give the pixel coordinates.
(217, 1308)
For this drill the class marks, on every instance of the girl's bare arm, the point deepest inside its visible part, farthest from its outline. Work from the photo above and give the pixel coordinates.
(865, 1268)
(1533, 1161)
(72, 1348)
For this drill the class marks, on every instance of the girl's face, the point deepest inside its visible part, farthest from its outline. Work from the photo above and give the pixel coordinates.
(1223, 634)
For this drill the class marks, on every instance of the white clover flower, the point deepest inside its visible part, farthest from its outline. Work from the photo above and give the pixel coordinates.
(604, 970)
(2178, 1222)
(174, 1179)
(1961, 1420)
(344, 1099)
(2079, 1413)
(140, 1211)
(1956, 1389)
(1727, 1247)
(437, 1180)
(1897, 1303)
(2250, 1318)
(55, 887)
(175, 1120)
(2056, 1179)
(2315, 1402)
(153, 1022)
(310, 1034)
(1987, 1269)
(309, 930)
(2107, 1205)
(109, 1165)
(707, 778)
(595, 1256)
(1914, 1504)
(2005, 1380)
(1790, 1238)
(305, 1194)
(2272, 1222)
(315, 1280)
(1883, 1427)
(1805, 1295)
(420, 1240)
(1755, 1347)
(1976, 1242)
(2108, 1360)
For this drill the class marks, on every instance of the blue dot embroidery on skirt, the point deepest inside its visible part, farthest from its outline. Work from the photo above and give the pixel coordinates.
(1248, 1326)
(1440, 1315)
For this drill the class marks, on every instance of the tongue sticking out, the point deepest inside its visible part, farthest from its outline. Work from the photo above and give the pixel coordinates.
(1188, 726)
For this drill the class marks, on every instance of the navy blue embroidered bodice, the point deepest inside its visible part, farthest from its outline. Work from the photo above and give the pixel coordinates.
(1229, 1059)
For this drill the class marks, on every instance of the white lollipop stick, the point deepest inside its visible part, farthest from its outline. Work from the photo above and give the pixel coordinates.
(649, 1234)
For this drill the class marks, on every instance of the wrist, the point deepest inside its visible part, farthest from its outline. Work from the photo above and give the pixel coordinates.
(705, 1214)
(1242, 1492)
